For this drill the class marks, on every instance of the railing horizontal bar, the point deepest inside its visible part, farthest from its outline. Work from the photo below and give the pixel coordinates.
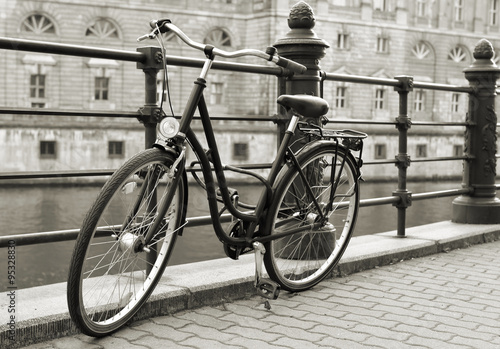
(440, 194)
(361, 122)
(72, 234)
(392, 82)
(69, 112)
(430, 123)
(379, 201)
(102, 172)
(117, 114)
(380, 162)
(416, 123)
(131, 56)
(360, 79)
(54, 174)
(71, 50)
(445, 158)
(441, 87)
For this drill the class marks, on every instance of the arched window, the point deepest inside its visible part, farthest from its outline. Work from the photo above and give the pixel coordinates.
(38, 24)
(421, 50)
(218, 38)
(457, 54)
(102, 29)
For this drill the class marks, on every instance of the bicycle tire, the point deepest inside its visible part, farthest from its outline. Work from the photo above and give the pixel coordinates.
(109, 279)
(301, 260)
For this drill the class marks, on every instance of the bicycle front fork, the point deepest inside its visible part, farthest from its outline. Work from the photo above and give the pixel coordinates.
(267, 288)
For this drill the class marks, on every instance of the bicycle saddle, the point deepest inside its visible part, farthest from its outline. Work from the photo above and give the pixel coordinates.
(305, 105)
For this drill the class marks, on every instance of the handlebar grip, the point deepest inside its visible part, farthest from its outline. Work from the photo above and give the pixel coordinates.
(292, 65)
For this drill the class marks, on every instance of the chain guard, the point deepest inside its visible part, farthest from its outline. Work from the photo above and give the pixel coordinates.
(236, 230)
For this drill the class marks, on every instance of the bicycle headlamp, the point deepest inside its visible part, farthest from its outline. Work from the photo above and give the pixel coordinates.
(168, 128)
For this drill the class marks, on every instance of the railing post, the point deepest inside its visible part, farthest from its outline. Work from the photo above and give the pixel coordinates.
(150, 113)
(302, 45)
(481, 206)
(150, 116)
(403, 123)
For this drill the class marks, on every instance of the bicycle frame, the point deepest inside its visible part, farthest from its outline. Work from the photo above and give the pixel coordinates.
(252, 220)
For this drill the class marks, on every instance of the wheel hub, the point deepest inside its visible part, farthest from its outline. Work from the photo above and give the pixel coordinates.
(129, 241)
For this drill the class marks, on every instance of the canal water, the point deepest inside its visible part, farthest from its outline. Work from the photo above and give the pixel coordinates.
(28, 209)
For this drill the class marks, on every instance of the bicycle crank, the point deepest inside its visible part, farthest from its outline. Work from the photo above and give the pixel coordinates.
(267, 288)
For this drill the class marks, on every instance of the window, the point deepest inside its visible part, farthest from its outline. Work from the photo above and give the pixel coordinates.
(218, 38)
(379, 99)
(421, 150)
(102, 29)
(458, 150)
(48, 149)
(216, 93)
(240, 151)
(380, 151)
(421, 50)
(340, 97)
(38, 24)
(455, 102)
(380, 5)
(116, 149)
(382, 44)
(457, 54)
(37, 86)
(421, 8)
(342, 41)
(459, 10)
(419, 100)
(101, 88)
(493, 13)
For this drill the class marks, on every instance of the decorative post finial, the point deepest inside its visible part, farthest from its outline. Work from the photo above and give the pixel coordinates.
(483, 55)
(483, 50)
(301, 16)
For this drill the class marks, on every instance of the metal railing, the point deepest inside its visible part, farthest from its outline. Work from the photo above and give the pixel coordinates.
(401, 197)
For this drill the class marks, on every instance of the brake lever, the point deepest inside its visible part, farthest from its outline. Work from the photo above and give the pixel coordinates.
(151, 35)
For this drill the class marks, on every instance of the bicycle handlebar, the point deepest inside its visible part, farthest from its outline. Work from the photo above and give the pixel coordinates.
(164, 25)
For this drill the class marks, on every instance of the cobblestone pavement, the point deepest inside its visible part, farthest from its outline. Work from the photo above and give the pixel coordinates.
(449, 300)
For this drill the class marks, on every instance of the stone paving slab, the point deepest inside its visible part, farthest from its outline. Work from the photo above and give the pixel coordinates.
(438, 300)
(447, 300)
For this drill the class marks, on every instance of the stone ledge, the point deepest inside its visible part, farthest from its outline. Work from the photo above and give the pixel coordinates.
(42, 312)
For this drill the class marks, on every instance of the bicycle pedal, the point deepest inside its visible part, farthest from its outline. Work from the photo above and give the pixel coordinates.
(269, 289)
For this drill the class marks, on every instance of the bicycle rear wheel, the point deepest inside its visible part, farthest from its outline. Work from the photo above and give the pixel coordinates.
(111, 276)
(315, 245)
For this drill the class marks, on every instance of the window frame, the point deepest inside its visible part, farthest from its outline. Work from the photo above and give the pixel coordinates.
(48, 149)
(379, 99)
(380, 151)
(241, 154)
(113, 146)
(341, 99)
(101, 93)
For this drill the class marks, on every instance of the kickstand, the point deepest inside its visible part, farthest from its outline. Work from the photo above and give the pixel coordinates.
(267, 288)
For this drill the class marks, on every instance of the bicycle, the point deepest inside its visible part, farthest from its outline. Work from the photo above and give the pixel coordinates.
(298, 230)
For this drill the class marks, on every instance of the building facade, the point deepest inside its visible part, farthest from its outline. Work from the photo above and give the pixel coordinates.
(431, 40)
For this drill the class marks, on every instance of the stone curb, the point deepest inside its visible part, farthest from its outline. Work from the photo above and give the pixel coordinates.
(214, 282)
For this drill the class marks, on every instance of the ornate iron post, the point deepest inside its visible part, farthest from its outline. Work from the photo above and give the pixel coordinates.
(150, 113)
(481, 206)
(403, 159)
(302, 45)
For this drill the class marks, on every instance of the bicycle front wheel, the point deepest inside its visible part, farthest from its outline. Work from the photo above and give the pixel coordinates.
(314, 211)
(111, 275)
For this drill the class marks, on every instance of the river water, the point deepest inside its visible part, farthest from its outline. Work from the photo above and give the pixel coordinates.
(28, 209)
